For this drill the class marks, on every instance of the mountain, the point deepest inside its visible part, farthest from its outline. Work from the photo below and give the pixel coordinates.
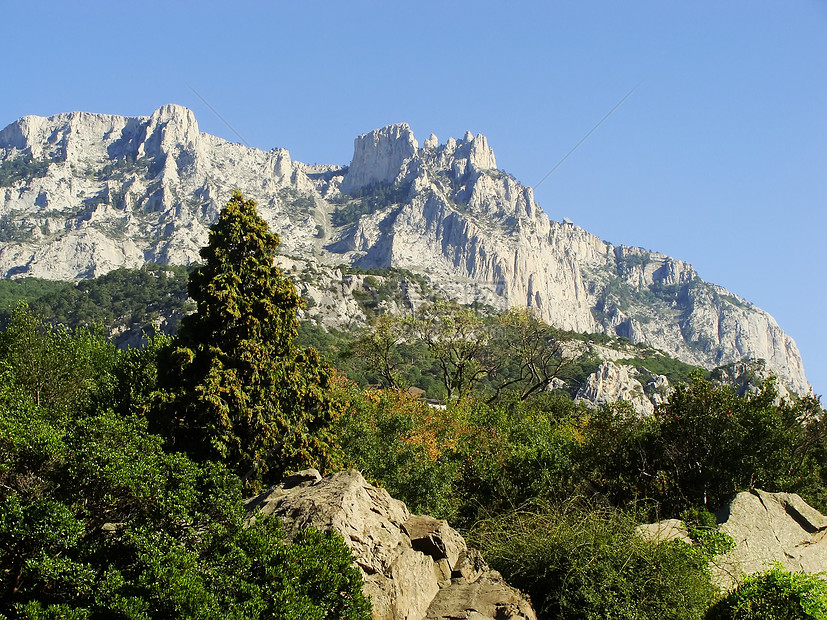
(82, 194)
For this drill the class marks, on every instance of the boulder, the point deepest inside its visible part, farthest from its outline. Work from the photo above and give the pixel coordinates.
(664, 531)
(770, 528)
(414, 567)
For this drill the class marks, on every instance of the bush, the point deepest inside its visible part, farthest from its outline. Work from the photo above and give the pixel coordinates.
(706, 444)
(403, 444)
(463, 462)
(96, 521)
(774, 595)
(577, 561)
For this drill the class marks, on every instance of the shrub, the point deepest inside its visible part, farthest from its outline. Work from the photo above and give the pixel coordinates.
(774, 595)
(96, 521)
(577, 561)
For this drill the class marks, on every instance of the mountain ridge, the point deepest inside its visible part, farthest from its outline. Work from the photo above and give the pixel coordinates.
(123, 191)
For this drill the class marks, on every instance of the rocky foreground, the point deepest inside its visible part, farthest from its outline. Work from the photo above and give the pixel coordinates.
(416, 567)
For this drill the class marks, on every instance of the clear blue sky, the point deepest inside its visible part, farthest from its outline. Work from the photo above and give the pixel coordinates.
(718, 158)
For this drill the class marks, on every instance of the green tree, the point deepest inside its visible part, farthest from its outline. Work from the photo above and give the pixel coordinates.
(56, 367)
(378, 348)
(715, 443)
(704, 445)
(530, 353)
(459, 339)
(234, 386)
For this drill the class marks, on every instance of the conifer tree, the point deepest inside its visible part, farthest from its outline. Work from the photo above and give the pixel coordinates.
(234, 386)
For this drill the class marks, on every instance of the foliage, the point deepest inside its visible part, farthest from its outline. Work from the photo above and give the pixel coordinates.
(135, 377)
(119, 299)
(465, 460)
(413, 450)
(378, 347)
(234, 387)
(14, 230)
(22, 167)
(702, 528)
(457, 337)
(96, 521)
(774, 595)
(56, 368)
(620, 454)
(716, 443)
(531, 353)
(705, 444)
(29, 290)
(659, 364)
(368, 200)
(581, 561)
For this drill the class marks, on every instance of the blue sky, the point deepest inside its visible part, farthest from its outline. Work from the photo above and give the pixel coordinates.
(718, 158)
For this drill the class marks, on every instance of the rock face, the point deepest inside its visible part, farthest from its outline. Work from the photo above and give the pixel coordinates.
(88, 193)
(378, 156)
(769, 528)
(748, 377)
(611, 383)
(414, 567)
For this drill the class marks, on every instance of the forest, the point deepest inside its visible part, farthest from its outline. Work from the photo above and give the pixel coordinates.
(123, 469)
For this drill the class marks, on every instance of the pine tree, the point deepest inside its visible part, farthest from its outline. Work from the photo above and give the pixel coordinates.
(234, 386)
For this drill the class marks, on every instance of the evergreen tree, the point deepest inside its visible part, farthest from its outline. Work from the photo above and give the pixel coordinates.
(234, 386)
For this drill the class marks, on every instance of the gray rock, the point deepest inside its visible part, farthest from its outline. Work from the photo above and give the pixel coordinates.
(378, 156)
(767, 528)
(664, 531)
(488, 598)
(770, 528)
(414, 567)
(748, 376)
(611, 383)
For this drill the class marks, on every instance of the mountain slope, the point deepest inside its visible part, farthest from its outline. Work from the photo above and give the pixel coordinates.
(82, 194)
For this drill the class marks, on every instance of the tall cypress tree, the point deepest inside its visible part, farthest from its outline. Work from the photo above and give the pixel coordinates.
(234, 386)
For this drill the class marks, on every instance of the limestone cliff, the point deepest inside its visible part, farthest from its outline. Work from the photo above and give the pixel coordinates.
(82, 194)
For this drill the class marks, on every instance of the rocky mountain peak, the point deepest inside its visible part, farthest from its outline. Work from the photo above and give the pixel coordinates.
(83, 194)
(172, 125)
(378, 156)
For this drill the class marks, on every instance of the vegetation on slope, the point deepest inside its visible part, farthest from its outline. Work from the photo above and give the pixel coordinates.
(103, 517)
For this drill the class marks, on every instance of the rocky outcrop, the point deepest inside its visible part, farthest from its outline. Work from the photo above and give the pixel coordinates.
(664, 531)
(770, 528)
(107, 191)
(378, 156)
(611, 383)
(767, 528)
(414, 567)
(748, 377)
